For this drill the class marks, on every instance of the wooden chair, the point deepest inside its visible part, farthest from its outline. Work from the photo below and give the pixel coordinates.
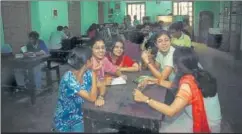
(51, 66)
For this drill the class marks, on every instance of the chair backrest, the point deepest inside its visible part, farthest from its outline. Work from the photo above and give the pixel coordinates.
(106, 35)
(66, 44)
(6, 48)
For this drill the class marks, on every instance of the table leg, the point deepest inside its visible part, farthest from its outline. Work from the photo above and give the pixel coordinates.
(48, 79)
(49, 63)
(58, 74)
(87, 122)
(30, 85)
(48, 74)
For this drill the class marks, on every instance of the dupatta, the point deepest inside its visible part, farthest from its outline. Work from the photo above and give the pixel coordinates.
(200, 122)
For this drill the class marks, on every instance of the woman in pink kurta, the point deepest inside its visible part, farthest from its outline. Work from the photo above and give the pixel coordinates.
(101, 65)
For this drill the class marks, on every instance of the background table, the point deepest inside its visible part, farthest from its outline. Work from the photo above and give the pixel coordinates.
(26, 63)
(121, 110)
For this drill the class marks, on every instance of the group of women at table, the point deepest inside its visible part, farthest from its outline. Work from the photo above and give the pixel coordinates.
(195, 108)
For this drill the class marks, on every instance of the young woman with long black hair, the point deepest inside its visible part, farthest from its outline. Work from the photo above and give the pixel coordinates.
(196, 95)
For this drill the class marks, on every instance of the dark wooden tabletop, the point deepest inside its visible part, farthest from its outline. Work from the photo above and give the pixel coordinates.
(119, 100)
(25, 62)
(59, 50)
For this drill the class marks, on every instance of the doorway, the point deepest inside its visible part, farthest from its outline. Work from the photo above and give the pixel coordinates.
(74, 15)
(206, 19)
(16, 23)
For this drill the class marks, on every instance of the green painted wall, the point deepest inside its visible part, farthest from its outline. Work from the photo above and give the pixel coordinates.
(213, 6)
(48, 23)
(35, 20)
(118, 14)
(43, 22)
(153, 9)
(89, 14)
(42, 19)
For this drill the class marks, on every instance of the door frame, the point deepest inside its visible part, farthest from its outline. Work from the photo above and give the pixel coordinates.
(15, 42)
(200, 24)
(100, 12)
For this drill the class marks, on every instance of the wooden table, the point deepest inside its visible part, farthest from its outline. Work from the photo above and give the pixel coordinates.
(120, 110)
(28, 64)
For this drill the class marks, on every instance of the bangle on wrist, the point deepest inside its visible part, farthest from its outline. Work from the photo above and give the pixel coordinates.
(100, 97)
(147, 101)
(157, 81)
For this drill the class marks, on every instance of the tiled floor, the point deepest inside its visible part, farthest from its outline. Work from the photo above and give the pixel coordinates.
(20, 116)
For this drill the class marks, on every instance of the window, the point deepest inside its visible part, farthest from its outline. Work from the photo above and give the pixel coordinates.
(137, 9)
(184, 8)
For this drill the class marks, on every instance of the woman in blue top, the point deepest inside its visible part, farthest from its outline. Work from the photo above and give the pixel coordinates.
(76, 86)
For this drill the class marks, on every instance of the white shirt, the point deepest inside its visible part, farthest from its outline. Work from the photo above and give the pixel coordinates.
(56, 38)
(166, 60)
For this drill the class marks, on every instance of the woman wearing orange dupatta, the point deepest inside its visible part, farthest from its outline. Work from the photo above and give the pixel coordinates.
(197, 95)
(118, 58)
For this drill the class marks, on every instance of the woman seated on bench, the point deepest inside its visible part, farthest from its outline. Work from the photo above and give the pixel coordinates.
(102, 65)
(76, 86)
(118, 58)
(196, 94)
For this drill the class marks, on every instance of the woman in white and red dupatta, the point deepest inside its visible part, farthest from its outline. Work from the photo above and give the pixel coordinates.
(196, 102)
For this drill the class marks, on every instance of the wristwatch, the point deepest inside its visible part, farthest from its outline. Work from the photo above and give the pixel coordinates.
(148, 101)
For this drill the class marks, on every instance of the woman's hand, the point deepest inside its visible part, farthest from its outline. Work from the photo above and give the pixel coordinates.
(100, 101)
(145, 56)
(108, 80)
(146, 82)
(81, 72)
(119, 68)
(139, 96)
(97, 67)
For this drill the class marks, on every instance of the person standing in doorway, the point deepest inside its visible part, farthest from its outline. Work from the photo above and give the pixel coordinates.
(136, 22)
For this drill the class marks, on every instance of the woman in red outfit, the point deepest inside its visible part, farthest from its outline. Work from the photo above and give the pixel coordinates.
(117, 57)
(196, 103)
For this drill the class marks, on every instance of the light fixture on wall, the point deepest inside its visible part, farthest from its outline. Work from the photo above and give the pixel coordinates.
(55, 13)
(158, 1)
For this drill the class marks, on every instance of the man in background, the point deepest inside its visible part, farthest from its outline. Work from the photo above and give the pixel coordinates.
(67, 31)
(136, 22)
(57, 37)
(178, 37)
